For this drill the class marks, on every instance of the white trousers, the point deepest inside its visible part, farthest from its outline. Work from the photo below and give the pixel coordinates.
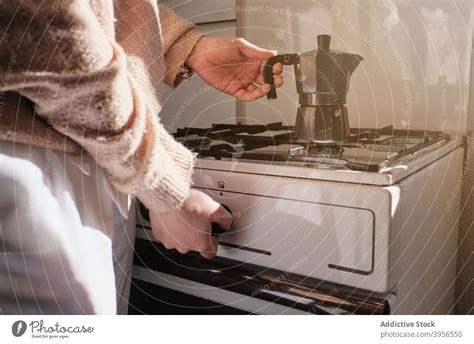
(66, 237)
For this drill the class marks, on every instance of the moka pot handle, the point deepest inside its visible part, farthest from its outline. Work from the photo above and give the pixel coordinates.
(284, 59)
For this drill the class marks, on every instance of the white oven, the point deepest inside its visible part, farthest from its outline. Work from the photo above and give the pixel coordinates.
(303, 245)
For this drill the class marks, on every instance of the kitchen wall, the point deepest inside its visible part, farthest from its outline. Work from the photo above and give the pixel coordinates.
(194, 103)
(416, 57)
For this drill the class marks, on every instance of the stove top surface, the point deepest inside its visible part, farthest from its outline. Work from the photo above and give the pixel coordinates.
(367, 149)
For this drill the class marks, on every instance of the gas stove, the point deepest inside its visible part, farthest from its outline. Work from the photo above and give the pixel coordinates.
(370, 150)
(359, 226)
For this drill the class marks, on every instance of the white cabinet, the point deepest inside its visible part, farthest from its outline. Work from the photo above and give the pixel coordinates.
(194, 103)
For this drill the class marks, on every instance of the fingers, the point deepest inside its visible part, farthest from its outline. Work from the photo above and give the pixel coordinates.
(207, 248)
(211, 250)
(252, 51)
(251, 87)
(251, 93)
(178, 247)
(277, 68)
(189, 228)
(277, 74)
(183, 249)
(222, 217)
(277, 79)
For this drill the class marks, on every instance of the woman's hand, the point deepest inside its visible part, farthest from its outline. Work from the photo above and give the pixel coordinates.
(189, 228)
(233, 66)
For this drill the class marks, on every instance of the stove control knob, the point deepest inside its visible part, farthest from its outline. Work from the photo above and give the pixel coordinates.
(216, 229)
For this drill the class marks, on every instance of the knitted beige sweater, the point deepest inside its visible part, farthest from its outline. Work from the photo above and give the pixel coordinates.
(78, 74)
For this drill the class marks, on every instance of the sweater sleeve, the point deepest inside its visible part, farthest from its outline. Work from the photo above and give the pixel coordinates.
(179, 39)
(56, 54)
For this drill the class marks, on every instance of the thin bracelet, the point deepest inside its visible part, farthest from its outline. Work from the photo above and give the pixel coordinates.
(186, 72)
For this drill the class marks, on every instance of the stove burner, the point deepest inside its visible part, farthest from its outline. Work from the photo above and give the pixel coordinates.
(365, 150)
(325, 151)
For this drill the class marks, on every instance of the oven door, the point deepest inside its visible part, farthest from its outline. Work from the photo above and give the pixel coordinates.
(167, 282)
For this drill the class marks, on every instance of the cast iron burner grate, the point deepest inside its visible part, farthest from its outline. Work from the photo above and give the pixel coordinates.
(366, 150)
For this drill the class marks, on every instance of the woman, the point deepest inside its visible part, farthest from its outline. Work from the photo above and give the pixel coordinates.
(80, 92)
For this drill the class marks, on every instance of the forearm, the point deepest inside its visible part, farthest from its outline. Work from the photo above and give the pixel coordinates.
(179, 38)
(78, 80)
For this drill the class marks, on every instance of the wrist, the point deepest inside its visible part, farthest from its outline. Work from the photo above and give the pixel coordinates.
(199, 49)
